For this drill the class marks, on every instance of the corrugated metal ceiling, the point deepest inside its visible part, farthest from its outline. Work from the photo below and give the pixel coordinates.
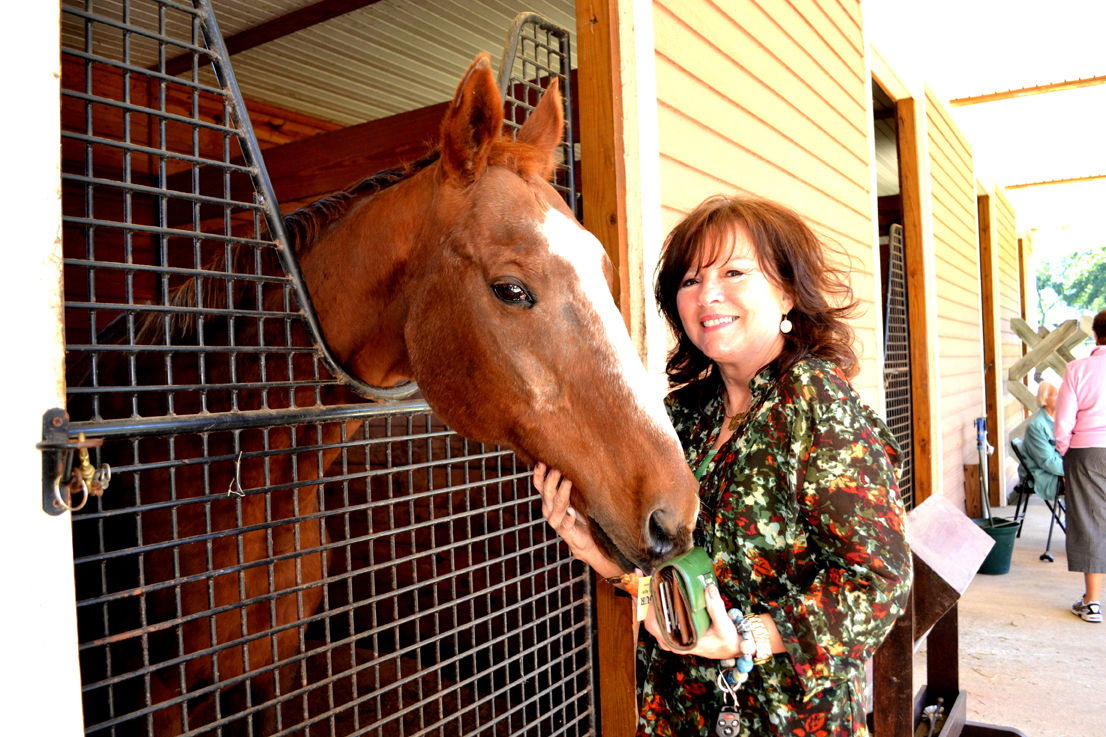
(384, 59)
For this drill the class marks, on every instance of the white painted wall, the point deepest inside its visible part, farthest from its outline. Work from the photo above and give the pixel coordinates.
(41, 686)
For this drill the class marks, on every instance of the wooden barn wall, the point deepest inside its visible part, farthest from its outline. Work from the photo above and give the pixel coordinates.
(1009, 290)
(771, 99)
(959, 332)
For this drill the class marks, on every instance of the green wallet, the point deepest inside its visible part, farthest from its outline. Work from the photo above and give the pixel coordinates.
(680, 599)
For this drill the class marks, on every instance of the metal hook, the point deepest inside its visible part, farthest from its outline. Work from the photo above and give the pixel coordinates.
(76, 482)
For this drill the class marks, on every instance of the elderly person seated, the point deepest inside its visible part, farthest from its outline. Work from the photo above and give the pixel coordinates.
(1046, 465)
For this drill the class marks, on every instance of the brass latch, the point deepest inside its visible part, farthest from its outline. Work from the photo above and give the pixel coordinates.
(84, 479)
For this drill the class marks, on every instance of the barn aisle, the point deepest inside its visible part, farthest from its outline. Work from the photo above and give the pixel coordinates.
(1025, 660)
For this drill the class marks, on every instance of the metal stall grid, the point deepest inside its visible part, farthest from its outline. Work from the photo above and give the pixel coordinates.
(537, 51)
(272, 555)
(896, 371)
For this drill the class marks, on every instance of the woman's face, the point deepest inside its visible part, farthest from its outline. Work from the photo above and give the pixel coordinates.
(730, 310)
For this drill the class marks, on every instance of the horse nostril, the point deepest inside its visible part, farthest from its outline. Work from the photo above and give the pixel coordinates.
(658, 538)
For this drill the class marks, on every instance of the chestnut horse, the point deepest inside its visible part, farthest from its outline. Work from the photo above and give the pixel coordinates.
(474, 278)
(469, 275)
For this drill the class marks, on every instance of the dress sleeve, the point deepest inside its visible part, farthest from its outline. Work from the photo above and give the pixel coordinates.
(846, 492)
(1064, 421)
(1039, 446)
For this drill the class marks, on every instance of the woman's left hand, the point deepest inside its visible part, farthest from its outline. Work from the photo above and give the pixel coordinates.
(720, 640)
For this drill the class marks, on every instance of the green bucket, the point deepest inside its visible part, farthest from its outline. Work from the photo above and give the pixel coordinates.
(1003, 532)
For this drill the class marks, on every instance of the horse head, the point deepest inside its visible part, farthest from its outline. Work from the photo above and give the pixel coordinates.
(492, 296)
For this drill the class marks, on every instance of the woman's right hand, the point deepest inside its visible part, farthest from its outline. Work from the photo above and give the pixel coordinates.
(555, 491)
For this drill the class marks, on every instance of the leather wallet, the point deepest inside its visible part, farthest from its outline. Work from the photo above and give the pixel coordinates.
(680, 599)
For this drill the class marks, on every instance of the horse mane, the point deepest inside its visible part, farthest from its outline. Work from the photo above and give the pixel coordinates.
(528, 161)
(304, 226)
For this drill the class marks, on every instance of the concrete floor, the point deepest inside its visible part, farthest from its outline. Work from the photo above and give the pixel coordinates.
(1025, 660)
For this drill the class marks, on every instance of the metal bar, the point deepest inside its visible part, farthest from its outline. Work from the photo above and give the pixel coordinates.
(152, 112)
(150, 73)
(264, 190)
(155, 192)
(141, 427)
(127, 28)
(154, 230)
(100, 142)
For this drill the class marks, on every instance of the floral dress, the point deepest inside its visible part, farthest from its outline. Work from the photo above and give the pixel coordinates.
(802, 517)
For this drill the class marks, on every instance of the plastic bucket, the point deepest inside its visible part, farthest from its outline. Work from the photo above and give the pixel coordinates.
(1003, 532)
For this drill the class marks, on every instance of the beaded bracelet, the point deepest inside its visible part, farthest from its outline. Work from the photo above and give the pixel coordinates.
(735, 671)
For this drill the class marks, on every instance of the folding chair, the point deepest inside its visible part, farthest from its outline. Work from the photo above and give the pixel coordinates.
(1025, 490)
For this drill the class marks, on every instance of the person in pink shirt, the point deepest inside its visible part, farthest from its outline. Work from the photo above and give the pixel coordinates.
(1080, 432)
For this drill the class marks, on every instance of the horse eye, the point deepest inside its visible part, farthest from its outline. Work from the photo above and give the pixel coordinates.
(512, 294)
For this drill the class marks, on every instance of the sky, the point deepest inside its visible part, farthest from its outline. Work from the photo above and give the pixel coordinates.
(968, 47)
(961, 48)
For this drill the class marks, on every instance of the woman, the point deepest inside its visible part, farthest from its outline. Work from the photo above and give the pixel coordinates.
(1080, 429)
(800, 509)
(1044, 463)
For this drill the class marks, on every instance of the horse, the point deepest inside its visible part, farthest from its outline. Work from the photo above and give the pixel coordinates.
(464, 272)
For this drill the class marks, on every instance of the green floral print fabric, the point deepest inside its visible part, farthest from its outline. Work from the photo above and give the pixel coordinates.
(802, 517)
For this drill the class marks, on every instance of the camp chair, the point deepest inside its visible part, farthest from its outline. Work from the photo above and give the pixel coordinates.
(1025, 489)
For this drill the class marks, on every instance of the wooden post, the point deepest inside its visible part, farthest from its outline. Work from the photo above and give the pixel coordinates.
(921, 382)
(603, 192)
(992, 384)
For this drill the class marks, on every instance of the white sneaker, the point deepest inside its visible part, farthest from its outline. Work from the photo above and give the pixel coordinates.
(1089, 612)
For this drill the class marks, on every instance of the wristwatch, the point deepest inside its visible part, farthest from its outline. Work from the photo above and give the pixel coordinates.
(760, 637)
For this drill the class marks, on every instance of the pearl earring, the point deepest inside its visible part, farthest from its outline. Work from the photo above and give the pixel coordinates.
(785, 325)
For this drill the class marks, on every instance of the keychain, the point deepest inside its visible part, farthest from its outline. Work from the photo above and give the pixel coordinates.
(728, 722)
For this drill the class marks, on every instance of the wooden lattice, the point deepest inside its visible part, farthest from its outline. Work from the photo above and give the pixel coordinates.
(1047, 349)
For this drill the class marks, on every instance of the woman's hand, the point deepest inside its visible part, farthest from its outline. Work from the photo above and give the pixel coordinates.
(555, 491)
(720, 641)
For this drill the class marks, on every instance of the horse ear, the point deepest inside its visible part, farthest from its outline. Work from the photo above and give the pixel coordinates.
(473, 123)
(545, 128)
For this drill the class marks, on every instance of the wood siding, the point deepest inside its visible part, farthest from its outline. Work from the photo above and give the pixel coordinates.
(773, 101)
(959, 334)
(1009, 291)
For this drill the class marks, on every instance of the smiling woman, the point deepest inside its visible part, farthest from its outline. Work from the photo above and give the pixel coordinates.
(800, 508)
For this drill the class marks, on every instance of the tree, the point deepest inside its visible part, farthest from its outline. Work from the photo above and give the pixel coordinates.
(1077, 280)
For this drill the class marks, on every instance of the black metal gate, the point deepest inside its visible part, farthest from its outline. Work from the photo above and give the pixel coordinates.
(896, 366)
(273, 555)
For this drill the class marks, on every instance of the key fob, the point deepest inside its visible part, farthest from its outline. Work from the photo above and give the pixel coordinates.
(728, 723)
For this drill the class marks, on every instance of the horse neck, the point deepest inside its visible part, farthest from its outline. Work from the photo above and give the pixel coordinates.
(356, 275)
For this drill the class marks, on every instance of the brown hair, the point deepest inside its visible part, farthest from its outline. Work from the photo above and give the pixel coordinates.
(791, 257)
(1099, 327)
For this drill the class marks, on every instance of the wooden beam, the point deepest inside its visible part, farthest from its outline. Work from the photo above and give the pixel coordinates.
(1070, 180)
(1039, 89)
(603, 193)
(305, 170)
(992, 381)
(921, 382)
(285, 25)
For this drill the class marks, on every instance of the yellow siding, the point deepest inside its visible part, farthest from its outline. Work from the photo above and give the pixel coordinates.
(1008, 288)
(772, 100)
(958, 329)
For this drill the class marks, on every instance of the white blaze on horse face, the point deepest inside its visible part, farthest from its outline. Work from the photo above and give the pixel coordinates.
(584, 253)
